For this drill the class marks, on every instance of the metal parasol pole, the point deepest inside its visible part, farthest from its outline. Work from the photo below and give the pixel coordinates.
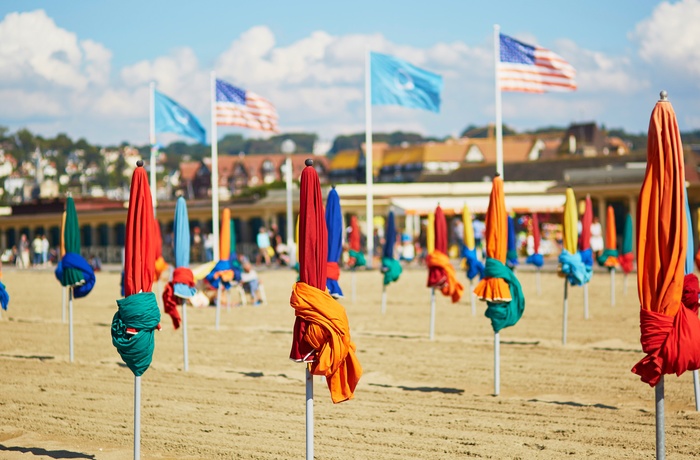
(70, 323)
(624, 285)
(218, 305)
(432, 313)
(309, 414)
(660, 429)
(137, 417)
(696, 388)
(383, 299)
(228, 299)
(566, 311)
(612, 287)
(353, 284)
(537, 281)
(496, 364)
(473, 297)
(184, 335)
(585, 301)
(63, 305)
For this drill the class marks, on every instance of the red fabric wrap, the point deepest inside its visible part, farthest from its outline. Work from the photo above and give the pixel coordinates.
(668, 340)
(626, 262)
(181, 275)
(332, 270)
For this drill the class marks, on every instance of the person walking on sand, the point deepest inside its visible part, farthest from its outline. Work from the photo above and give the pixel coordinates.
(263, 242)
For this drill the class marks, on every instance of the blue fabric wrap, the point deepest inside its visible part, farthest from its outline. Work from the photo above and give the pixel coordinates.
(504, 314)
(184, 291)
(577, 273)
(536, 259)
(139, 311)
(71, 260)
(587, 257)
(4, 297)
(220, 266)
(474, 265)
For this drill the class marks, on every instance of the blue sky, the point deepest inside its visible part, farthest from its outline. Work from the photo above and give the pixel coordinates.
(83, 67)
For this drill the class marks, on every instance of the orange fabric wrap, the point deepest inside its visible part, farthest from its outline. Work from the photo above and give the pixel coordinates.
(332, 270)
(328, 332)
(493, 290)
(224, 275)
(161, 266)
(451, 286)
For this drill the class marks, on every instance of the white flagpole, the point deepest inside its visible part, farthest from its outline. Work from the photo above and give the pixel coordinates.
(499, 117)
(152, 140)
(369, 169)
(214, 171)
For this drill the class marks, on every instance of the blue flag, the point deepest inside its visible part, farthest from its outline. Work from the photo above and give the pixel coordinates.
(397, 82)
(171, 117)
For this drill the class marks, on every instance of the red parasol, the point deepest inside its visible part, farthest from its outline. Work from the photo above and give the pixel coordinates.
(536, 233)
(441, 273)
(139, 247)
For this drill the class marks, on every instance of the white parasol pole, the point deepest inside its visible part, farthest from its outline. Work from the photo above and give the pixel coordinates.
(585, 301)
(228, 299)
(537, 281)
(566, 311)
(624, 284)
(612, 287)
(353, 284)
(218, 305)
(660, 429)
(696, 387)
(70, 323)
(432, 313)
(137, 417)
(63, 305)
(184, 335)
(473, 297)
(383, 299)
(496, 364)
(309, 414)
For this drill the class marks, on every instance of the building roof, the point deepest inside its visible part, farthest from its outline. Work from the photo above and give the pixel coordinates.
(346, 159)
(515, 148)
(188, 169)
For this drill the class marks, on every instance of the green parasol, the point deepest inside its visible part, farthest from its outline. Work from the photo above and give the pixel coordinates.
(71, 235)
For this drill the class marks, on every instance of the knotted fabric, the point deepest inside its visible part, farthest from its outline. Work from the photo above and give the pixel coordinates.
(474, 265)
(182, 278)
(328, 332)
(670, 342)
(587, 257)
(577, 273)
(536, 259)
(332, 277)
(391, 269)
(132, 330)
(608, 258)
(504, 313)
(442, 275)
(160, 267)
(4, 297)
(223, 272)
(357, 259)
(72, 262)
(626, 262)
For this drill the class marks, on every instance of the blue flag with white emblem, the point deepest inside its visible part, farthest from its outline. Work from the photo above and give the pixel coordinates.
(171, 117)
(397, 82)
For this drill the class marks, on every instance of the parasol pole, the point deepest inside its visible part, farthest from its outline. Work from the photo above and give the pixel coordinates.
(63, 305)
(383, 299)
(184, 336)
(432, 313)
(696, 387)
(612, 286)
(137, 417)
(214, 173)
(473, 296)
(537, 281)
(218, 304)
(496, 364)
(70, 323)
(624, 284)
(660, 429)
(353, 284)
(585, 301)
(566, 311)
(228, 299)
(309, 414)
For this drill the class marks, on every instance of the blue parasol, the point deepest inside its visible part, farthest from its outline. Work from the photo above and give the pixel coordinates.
(334, 225)
(390, 266)
(512, 254)
(182, 246)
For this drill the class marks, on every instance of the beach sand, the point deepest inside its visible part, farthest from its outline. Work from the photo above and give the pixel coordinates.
(243, 398)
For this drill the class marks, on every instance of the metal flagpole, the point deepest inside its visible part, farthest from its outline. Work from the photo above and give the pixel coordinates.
(137, 417)
(214, 172)
(660, 429)
(566, 311)
(154, 149)
(369, 168)
(499, 117)
(432, 313)
(496, 364)
(184, 336)
(309, 414)
(70, 323)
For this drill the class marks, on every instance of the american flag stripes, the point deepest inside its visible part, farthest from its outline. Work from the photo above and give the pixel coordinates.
(532, 69)
(238, 107)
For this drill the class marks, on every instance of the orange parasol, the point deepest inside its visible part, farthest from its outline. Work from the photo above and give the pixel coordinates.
(609, 256)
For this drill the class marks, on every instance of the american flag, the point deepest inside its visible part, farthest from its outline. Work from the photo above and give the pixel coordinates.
(532, 69)
(238, 107)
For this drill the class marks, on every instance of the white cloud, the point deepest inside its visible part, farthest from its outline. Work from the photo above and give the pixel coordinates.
(669, 37)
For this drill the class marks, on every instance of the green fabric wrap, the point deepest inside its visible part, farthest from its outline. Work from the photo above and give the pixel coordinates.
(359, 257)
(504, 314)
(605, 255)
(391, 269)
(139, 311)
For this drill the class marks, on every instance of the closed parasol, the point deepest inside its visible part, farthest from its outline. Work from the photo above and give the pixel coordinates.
(536, 258)
(512, 251)
(334, 226)
(391, 268)
(473, 264)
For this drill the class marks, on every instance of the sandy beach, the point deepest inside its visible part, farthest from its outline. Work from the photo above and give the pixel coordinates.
(244, 399)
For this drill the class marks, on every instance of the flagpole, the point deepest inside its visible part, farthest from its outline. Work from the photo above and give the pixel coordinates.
(499, 117)
(369, 169)
(152, 140)
(214, 171)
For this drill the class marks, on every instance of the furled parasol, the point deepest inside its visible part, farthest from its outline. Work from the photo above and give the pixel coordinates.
(391, 268)
(609, 256)
(474, 265)
(536, 258)
(585, 248)
(357, 257)
(626, 257)
(334, 225)
(512, 251)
